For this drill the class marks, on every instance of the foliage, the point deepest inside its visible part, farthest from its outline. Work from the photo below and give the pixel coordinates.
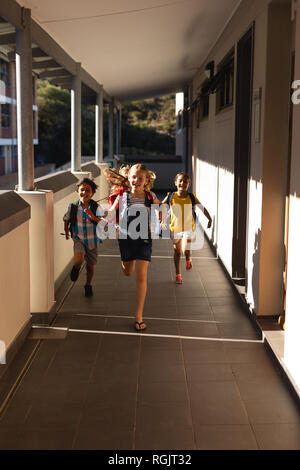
(147, 126)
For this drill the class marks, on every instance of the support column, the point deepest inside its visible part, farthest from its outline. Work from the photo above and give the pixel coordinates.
(111, 130)
(76, 121)
(118, 130)
(99, 127)
(24, 104)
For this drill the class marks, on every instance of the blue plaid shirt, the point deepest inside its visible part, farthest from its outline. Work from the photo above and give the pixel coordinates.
(84, 229)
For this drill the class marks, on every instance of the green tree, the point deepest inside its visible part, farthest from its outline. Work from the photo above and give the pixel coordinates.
(54, 120)
(147, 126)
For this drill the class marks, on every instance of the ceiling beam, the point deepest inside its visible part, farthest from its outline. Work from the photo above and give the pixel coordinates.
(52, 48)
(45, 64)
(37, 52)
(54, 73)
(11, 11)
(6, 39)
(61, 79)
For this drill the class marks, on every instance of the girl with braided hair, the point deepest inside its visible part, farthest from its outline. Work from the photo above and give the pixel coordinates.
(131, 191)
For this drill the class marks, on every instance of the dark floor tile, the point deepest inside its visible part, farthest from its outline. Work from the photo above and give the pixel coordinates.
(121, 324)
(263, 389)
(163, 415)
(113, 356)
(254, 370)
(110, 393)
(204, 352)
(214, 391)
(119, 343)
(86, 322)
(284, 436)
(162, 392)
(162, 358)
(225, 437)
(9, 438)
(273, 411)
(231, 330)
(193, 302)
(204, 372)
(60, 393)
(153, 372)
(103, 437)
(203, 329)
(158, 343)
(120, 414)
(162, 327)
(173, 437)
(60, 438)
(110, 371)
(53, 415)
(68, 374)
(14, 415)
(224, 411)
(246, 352)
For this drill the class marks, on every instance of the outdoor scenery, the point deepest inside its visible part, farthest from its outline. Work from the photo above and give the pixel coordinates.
(148, 127)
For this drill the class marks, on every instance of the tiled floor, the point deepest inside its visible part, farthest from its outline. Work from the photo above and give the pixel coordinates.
(199, 377)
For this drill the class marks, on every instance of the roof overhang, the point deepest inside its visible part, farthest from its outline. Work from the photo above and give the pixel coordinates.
(135, 48)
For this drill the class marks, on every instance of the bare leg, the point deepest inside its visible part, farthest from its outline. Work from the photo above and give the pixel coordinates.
(186, 250)
(141, 289)
(177, 256)
(90, 268)
(78, 259)
(128, 267)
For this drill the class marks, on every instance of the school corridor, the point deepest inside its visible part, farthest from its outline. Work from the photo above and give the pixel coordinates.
(199, 377)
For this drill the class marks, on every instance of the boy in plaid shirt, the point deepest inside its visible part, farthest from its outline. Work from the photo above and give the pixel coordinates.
(80, 221)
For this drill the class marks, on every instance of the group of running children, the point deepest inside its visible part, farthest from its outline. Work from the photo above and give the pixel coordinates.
(131, 186)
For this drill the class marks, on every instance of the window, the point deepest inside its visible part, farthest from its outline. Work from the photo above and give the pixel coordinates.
(2, 160)
(4, 72)
(5, 115)
(225, 82)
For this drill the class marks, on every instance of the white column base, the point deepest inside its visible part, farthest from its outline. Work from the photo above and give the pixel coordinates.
(41, 250)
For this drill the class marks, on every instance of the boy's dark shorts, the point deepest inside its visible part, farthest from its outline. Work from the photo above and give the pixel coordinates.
(135, 249)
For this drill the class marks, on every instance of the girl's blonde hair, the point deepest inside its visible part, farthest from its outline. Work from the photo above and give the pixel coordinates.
(120, 178)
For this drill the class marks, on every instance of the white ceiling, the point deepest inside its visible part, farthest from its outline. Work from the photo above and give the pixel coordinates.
(135, 48)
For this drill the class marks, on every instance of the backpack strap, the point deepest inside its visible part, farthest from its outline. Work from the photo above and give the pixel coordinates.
(73, 214)
(193, 200)
(169, 199)
(94, 207)
(148, 199)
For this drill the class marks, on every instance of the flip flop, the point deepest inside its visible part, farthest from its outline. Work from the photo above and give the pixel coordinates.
(139, 326)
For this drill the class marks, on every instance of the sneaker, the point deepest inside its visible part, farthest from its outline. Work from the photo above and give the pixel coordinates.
(188, 265)
(179, 279)
(88, 291)
(74, 273)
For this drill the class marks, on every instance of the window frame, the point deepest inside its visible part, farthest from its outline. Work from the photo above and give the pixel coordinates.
(4, 74)
(225, 88)
(7, 115)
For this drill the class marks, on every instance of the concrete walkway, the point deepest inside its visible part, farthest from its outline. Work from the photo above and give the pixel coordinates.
(199, 377)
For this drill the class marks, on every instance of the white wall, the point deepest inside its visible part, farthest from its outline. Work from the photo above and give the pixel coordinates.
(292, 323)
(14, 283)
